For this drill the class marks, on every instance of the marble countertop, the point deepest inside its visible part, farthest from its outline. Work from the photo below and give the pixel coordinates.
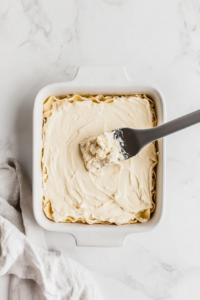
(158, 42)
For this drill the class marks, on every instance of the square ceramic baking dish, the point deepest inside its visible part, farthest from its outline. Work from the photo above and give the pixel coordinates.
(103, 80)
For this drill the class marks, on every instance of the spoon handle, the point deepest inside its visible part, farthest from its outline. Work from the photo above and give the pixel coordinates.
(163, 130)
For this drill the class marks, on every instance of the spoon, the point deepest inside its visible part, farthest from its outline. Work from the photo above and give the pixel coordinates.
(133, 140)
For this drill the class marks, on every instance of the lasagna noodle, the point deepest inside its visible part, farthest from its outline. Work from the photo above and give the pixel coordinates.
(82, 206)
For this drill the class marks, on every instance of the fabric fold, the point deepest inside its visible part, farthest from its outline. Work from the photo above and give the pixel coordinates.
(36, 272)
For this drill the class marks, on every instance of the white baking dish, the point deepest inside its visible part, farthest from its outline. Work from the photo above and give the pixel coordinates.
(103, 80)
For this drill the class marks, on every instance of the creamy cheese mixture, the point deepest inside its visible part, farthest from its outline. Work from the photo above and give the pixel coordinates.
(101, 151)
(123, 193)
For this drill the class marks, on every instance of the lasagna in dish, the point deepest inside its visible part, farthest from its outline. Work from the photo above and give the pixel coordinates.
(122, 193)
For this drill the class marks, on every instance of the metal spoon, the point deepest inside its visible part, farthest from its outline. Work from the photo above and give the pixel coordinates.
(133, 140)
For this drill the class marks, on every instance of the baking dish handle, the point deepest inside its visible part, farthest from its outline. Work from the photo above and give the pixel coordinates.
(99, 239)
(101, 75)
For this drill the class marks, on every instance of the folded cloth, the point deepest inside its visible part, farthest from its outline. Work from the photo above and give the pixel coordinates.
(37, 273)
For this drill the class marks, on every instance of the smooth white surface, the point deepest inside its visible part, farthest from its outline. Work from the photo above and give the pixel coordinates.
(158, 41)
(103, 80)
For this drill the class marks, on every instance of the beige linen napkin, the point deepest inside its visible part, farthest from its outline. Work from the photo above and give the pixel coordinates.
(37, 273)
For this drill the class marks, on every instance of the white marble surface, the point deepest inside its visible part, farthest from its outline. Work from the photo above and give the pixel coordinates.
(158, 41)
